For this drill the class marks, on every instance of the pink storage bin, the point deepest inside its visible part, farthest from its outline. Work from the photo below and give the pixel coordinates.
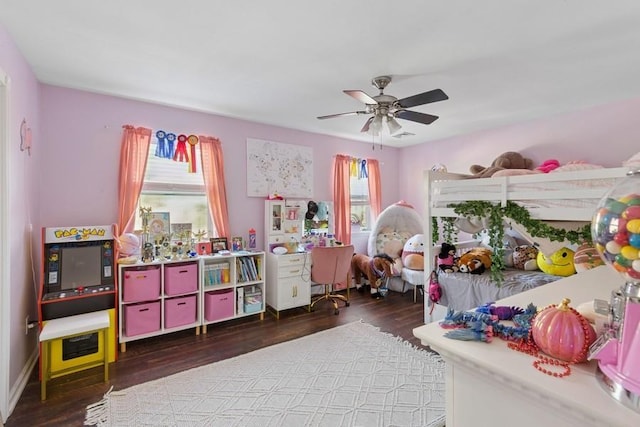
(219, 305)
(141, 283)
(180, 278)
(180, 311)
(141, 318)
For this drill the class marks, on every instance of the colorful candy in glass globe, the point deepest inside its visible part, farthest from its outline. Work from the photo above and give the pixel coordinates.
(616, 228)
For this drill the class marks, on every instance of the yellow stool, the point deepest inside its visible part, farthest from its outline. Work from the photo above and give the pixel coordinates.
(66, 327)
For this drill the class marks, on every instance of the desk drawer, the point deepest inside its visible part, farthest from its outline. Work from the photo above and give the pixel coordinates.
(293, 270)
(293, 259)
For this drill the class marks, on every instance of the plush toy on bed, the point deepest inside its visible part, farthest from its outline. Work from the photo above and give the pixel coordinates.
(506, 160)
(447, 258)
(475, 261)
(586, 258)
(560, 263)
(525, 257)
(413, 253)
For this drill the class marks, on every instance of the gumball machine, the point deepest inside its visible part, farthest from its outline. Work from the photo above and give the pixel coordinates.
(616, 234)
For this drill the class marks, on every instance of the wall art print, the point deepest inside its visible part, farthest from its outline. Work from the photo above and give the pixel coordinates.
(273, 167)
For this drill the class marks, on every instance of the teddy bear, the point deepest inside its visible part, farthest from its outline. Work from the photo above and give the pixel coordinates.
(506, 160)
(446, 258)
(413, 253)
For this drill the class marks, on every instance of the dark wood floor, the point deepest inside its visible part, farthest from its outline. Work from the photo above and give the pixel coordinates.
(156, 357)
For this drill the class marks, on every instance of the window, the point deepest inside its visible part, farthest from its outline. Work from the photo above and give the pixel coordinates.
(168, 187)
(360, 206)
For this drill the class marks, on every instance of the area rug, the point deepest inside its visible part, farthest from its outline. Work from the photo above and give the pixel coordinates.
(350, 375)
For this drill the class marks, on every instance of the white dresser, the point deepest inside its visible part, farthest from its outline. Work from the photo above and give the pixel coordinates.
(490, 384)
(288, 281)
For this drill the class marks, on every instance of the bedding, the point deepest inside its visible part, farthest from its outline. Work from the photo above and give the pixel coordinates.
(461, 291)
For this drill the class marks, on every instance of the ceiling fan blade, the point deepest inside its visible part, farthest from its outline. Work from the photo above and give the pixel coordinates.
(423, 98)
(351, 113)
(361, 96)
(365, 128)
(416, 117)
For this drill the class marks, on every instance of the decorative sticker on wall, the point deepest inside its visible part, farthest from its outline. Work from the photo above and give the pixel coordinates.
(275, 168)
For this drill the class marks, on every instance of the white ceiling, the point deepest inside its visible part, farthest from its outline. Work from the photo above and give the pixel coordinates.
(285, 62)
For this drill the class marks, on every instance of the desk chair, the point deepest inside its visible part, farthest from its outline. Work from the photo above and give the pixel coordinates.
(331, 265)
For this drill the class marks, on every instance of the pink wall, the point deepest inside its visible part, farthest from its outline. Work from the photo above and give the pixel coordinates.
(22, 209)
(605, 135)
(83, 130)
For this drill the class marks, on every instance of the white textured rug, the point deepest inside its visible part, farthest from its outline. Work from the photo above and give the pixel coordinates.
(351, 375)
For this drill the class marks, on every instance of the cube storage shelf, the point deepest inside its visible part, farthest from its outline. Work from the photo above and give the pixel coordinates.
(171, 295)
(233, 286)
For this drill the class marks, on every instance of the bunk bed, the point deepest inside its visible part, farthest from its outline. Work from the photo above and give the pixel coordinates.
(564, 198)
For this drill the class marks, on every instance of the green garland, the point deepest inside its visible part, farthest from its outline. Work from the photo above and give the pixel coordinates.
(496, 215)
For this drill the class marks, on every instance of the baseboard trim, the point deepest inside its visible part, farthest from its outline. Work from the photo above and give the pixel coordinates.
(23, 379)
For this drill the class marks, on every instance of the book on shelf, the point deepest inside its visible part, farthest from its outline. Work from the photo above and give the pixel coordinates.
(240, 302)
(217, 274)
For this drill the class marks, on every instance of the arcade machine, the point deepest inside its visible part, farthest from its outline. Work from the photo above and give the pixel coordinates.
(78, 276)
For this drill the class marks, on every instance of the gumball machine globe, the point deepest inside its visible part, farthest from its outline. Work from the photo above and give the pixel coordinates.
(615, 229)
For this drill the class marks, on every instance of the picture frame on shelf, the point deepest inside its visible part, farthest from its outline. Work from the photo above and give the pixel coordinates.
(237, 243)
(159, 225)
(181, 231)
(218, 244)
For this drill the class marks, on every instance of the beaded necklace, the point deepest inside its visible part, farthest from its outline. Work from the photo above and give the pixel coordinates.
(484, 324)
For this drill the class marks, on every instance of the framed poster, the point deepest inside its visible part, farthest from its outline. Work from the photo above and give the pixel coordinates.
(285, 169)
(159, 225)
(218, 244)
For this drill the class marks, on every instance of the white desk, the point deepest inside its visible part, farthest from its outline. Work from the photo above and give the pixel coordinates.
(490, 384)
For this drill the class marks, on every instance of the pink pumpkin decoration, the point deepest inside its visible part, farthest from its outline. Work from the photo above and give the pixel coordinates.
(563, 333)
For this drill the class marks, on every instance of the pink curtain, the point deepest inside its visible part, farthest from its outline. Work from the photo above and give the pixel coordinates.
(375, 188)
(213, 173)
(342, 198)
(134, 150)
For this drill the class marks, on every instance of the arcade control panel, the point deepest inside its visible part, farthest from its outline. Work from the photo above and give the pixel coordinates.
(79, 291)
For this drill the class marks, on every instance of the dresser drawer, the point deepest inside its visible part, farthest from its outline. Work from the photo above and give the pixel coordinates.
(292, 270)
(292, 259)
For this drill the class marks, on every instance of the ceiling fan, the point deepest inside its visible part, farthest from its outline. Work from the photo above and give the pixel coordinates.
(386, 108)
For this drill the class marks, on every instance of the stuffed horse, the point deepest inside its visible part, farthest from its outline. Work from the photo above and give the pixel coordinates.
(375, 269)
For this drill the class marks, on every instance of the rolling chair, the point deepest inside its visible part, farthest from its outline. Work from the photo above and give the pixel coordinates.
(331, 265)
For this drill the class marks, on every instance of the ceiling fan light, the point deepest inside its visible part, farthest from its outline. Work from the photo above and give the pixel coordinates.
(376, 125)
(393, 125)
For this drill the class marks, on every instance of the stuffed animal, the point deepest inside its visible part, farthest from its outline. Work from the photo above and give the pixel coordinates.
(128, 245)
(475, 261)
(560, 263)
(376, 269)
(413, 253)
(525, 257)
(506, 160)
(447, 258)
(548, 165)
(586, 258)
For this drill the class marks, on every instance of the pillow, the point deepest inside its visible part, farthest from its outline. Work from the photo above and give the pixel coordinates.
(576, 166)
(633, 160)
(586, 258)
(513, 172)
